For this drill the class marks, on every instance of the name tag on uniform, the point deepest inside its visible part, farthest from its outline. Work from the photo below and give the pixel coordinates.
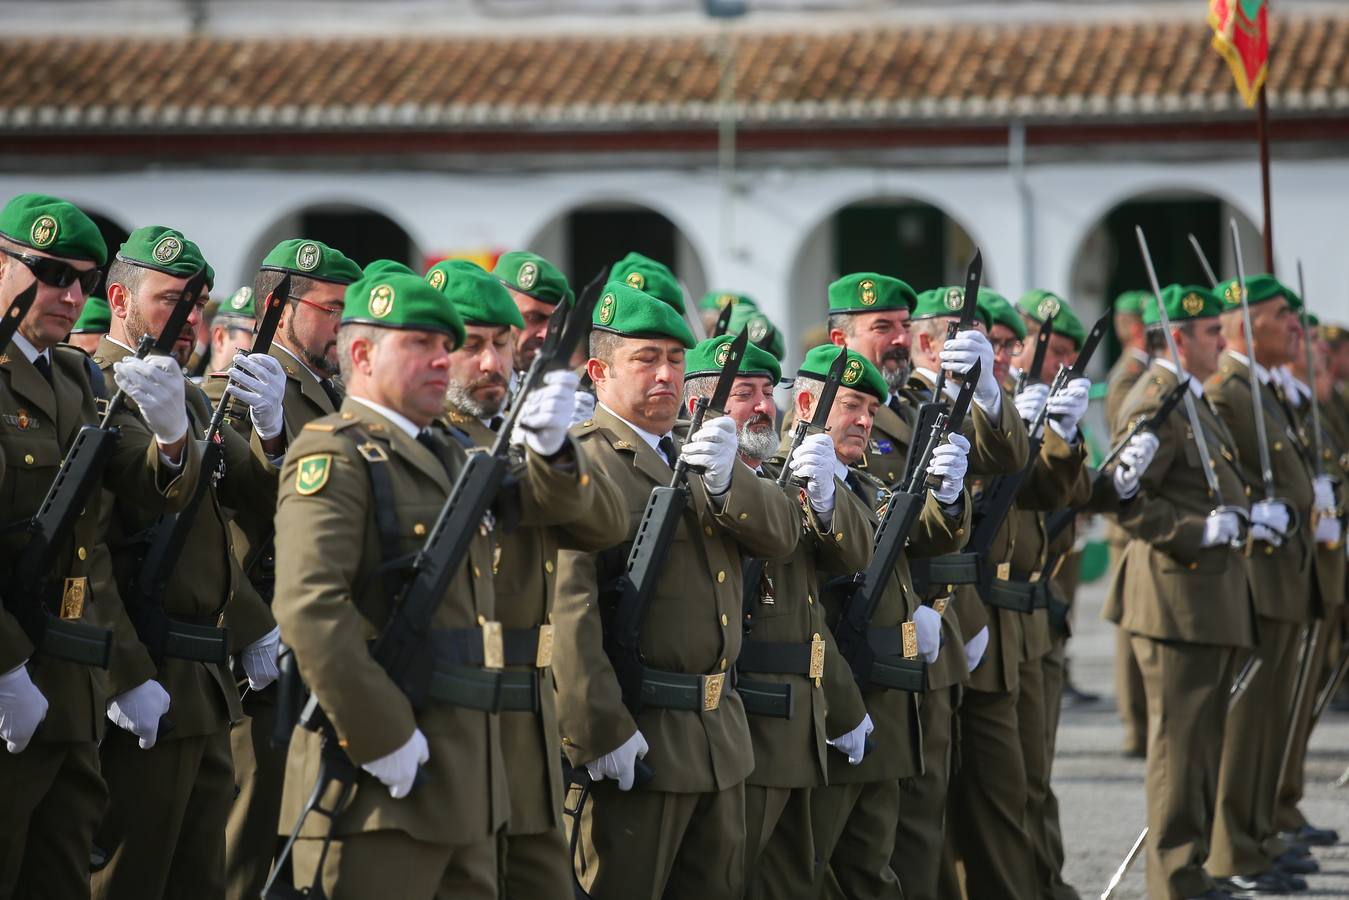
(909, 632)
(72, 598)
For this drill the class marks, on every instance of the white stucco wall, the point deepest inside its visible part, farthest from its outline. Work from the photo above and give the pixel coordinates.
(775, 252)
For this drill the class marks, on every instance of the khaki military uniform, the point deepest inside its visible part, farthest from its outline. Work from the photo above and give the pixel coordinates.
(1244, 838)
(1187, 609)
(442, 836)
(1130, 701)
(259, 765)
(683, 835)
(1330, 580)
(790, 754)
(536, 859)
(165, 826)
(54, 795)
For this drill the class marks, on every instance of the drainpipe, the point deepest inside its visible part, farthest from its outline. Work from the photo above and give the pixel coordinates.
(1016, 163)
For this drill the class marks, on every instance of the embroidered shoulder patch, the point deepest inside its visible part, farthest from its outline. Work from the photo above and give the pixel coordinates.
(312, 473)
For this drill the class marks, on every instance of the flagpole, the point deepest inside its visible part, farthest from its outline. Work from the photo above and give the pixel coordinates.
(1262, 129)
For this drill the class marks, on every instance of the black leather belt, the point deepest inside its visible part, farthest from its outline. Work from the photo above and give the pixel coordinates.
(891, 669)
(492, 646)
(951, 568)
(683, 691)
(765, 698)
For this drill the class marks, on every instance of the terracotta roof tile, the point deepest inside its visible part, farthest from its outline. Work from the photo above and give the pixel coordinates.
(891, 75)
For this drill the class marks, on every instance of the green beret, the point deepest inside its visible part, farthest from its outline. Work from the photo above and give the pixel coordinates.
(627, 311)
(1041, 305)
(53, 226)
(944, 302)
(1183, 302)
(717, 301)
(1131, 303)
(386, 267)
(1259, 288)
(762, 332)
(533, 276)
(710, 355)
(239, 305)
(395, 300)
(995, 310)
(870, 292)
(1313, 320)
(859, 374)
(311, 259)
(96, 317)
(655, 279)
(479, 298)
(165, 250)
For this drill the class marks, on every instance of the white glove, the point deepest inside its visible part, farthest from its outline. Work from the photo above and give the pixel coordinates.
(1269, 522)
(1029, 402)
(156, 385)
(258, 380)
(620, 764)
(714, 449)
(1329, 530)
(548, 412)
(1221, 529)
(958, 356)
(814, 461)
(398, 770)
(975, 647)
(949, 463)
(584, 410)
(854, 743)
(1324, 489)
(139, 711)
(1134, 460)
(1068, 406)
(259, 659)
(928, 621)
(22, 708)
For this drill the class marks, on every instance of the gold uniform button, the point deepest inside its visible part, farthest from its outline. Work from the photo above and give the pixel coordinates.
(548, 566)
(477, 573)
(721, 577)
(28, 458)
(419, 529)
(1269, 551)
(81, 553)
(1194, 566)
(838, 537)
(810, 598)
(744, 516)
(585, 480)
(724, 665)
(567, 741)
(724, 621)
(707, 530)
(959, 532)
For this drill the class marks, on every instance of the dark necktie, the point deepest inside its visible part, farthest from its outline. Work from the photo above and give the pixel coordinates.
(495, 423)
(437, 448)
(334, 395)
(895, 406)
(44, 366)
(666, 446)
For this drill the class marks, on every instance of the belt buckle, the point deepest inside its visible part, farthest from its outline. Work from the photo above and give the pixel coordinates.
(712, 686)
(493, 645)
(372, 452)
(72, 597)
(543, 657)
(1034, 577)
(816, 659)
(909, 632)
(1004, 571)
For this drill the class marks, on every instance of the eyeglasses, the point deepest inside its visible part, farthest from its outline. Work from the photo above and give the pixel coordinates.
(1012, 347)
(326, 310)
(54, 273)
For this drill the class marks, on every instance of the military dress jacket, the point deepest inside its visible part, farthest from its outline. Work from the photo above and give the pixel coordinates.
(1282, 577)
(39, 421)
(1330, 562)
(1167, 585)
(205, 588)
(524, 570)
(898, 738)
(331, 602)
(1123, 374)
(692, 625)
(787, 607)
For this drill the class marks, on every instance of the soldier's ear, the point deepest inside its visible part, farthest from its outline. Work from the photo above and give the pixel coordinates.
(597, 369)
(803, 404)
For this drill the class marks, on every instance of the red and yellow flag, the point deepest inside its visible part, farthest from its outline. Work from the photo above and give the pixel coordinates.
(1241, 35)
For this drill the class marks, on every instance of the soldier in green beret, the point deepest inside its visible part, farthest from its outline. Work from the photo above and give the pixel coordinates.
(535, 858)
(762, 332)
(54, 795)
(149, 847)
(1180, 593)
(713, 302)
(1246, 848)
(651, 277)
(379, 267)
(537, 287)
(231, 329)
(92, 324)
(684, 833)
(304, 348)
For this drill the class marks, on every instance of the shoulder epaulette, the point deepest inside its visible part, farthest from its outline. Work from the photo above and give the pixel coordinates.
(589, 426)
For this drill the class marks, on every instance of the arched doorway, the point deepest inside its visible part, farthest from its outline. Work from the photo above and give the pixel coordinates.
(586, 238)
(903, 237)
(362, 233)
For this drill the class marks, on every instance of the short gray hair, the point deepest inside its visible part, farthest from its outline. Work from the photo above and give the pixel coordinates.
(842, 322)
(128, 275)
(604, 344)
(352, 332)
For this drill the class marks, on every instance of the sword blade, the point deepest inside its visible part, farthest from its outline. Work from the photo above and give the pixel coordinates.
(1317, 445)
(723, 321)
(18, 308)
(1032, 376)
(173, 328)
(729, 370)
(820, 418)
(1091, 343)
(271, 316)
(1257, 389)
(1203, 261)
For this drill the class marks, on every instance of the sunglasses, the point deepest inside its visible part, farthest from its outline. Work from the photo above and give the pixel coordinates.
(54, 273)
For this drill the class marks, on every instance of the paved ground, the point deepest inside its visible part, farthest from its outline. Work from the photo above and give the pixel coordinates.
(1101, 793)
